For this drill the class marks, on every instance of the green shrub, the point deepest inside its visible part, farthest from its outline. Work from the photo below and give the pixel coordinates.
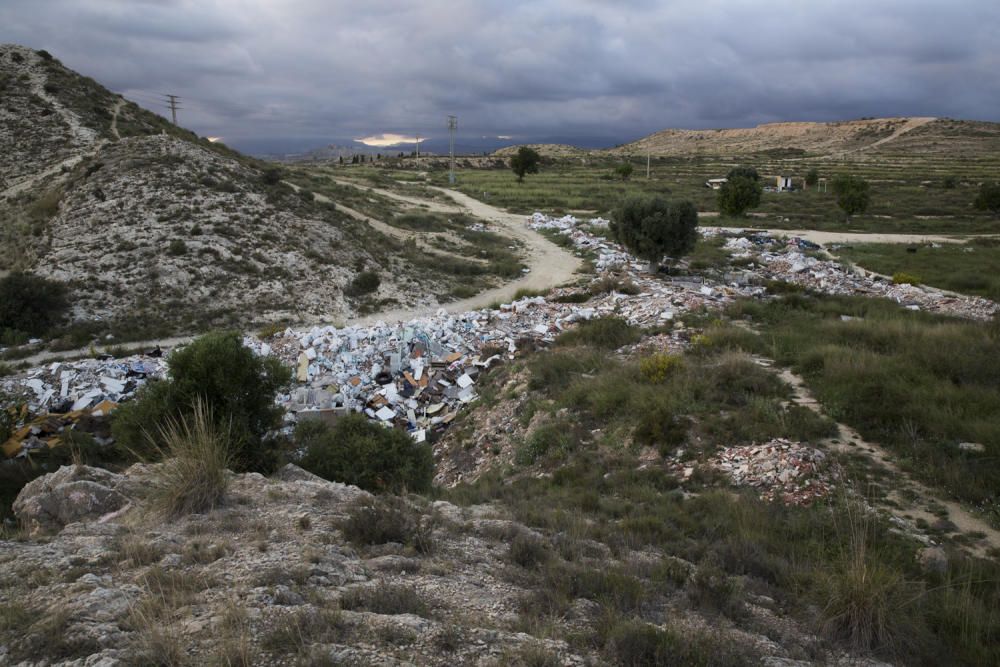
(358, 451)
(385, 598)
(901, 277)
(554, 437)
(365, 282)
(31, 304)
(656, 368)
(634, 643)
(527, 550)
(46, 206)
(176, 248)
(238, 387)
(607, 333)
(711, 588)
(387, 519)
(271, 176)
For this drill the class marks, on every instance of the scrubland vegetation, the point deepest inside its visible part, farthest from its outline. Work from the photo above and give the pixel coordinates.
(838, 568)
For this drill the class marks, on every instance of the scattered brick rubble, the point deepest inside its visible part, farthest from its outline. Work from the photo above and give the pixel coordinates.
(780, 469)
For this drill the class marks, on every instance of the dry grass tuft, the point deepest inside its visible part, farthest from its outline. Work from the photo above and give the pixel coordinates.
(197, 454)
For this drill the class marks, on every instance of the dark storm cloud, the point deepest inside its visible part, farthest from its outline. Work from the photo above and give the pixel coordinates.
(315, 68)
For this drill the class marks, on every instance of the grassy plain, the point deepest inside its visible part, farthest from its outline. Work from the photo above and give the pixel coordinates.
(909, 194)
(967, 269)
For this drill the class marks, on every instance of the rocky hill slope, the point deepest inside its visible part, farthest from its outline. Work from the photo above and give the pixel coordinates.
(151, 226)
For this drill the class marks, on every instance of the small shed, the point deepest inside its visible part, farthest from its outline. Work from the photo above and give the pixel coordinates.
(784, 183)
(715, 183)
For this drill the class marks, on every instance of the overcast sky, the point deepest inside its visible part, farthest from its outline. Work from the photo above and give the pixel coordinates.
(599, 69)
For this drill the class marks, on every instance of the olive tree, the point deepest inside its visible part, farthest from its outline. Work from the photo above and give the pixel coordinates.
(651, 227)
(741, 191)
(988, 198)
(525, 162)
(853, 194)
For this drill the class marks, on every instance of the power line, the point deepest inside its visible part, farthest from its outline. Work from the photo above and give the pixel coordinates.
(452, 126)
(172, 105)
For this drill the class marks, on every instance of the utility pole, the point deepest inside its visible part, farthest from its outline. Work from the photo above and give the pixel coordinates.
(418, 146)
(452, 126)
(172, 105)
(647, 165)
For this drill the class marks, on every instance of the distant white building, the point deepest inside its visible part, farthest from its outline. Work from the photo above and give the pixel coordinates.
(784, 183)
(715, 183)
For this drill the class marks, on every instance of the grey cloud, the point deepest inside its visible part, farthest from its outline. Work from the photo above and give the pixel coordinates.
(313, 68)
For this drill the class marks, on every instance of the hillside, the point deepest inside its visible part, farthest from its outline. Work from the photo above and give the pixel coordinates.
(853, 139)
(154, 228)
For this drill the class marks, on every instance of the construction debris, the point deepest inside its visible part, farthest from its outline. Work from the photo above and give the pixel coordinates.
(418, 375)
(780, 469)
(74, 394)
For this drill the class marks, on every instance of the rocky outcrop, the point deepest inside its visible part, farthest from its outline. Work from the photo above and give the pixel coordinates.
(72, 493)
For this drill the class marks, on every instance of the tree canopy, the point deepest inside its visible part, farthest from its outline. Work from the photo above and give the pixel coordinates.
(651, 227)
(31, 304)
(853, 194)
(525, 162)
(988, 198)
(739, 193)
(229, 378)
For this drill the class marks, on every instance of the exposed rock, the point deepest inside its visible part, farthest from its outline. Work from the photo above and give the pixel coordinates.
(72, 493)
(933, 559)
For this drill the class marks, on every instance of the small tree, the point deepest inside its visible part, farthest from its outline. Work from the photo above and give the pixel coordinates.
(31, 304)
(271, 176)
(745, 172)
(988, 198)
(236, 385)
(852, 193)
(651, 227)
(624, 170)
(812, 177)
(357, 451)
(525, 162)
(741, 191)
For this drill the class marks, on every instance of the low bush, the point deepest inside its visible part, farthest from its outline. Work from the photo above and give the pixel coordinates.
(527, 550)
(31, 304)
(358, 451)
(385, 598)
(607, 333)
(365, 282)
(271, 176)
(237, 388)
(656, 368)
(177, 248)
(387, 519)
(901, 278)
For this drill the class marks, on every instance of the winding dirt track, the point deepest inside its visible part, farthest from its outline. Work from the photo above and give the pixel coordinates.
(549, 265)
(909, 492)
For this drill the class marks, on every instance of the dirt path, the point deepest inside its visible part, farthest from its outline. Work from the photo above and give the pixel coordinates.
(910, 124)
(548, 264)
(426, 204)
(114, 118)
(824, 238)
(908, 492)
